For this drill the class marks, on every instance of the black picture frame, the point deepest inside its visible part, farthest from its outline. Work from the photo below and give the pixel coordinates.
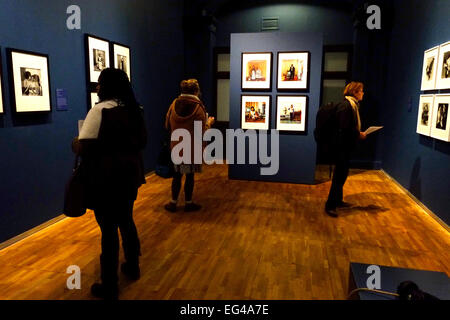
(305, 115)
(307, 78)
(92, 85)
(113, 58)
(16, 103)
(268, 111)
(269, 68)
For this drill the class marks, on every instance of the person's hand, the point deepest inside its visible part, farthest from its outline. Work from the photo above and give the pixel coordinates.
(362, 136)
(210, 121)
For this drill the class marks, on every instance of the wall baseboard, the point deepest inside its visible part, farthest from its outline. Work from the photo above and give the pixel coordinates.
(30, 232)
(417, 201)
(40, 227)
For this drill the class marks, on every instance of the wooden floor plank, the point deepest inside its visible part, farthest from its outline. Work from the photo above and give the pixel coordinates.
(252, 240)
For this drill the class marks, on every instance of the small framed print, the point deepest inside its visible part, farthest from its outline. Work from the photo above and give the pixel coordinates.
(291, 113)
(256, 71)
(1, 86)
(425, 114)
(121, 58)
(93, 99)
(440, 126)
(255, 111)
(292, 70)
(97, 57)
(30, 81)
(443, 70)
(429, 69)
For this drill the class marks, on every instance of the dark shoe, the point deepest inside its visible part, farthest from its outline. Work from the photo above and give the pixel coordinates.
(132, 272)
(331, 212)
(344, 204)
(192, 207)
(172, 207)
(101, 291)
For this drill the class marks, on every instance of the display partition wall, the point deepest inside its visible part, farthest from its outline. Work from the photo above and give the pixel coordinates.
(297, 151)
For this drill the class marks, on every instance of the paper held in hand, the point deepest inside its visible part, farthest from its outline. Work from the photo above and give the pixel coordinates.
(372, 129)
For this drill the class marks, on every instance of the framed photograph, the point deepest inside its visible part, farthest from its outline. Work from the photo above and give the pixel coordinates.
(255, 112)
(440, 126)
(256, 71)
(425, 114)
(429, 69)
(30, 81)
(97, 57)
(1, 86)
(121, 58)
(292, 70)
(443, 70)
(291, 113)
(93, 99)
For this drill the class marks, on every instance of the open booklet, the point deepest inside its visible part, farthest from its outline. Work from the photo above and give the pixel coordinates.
(372, 129)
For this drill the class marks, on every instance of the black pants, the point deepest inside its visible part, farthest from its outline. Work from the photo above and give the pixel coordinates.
(188, 186)
(112, 215)
(339, 177)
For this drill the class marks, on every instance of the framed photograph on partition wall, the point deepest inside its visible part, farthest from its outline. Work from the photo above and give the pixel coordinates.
(429, 69)
(121, 58)
(97, 57)
(425, 114)
(30, 81)
(1, 86)
(443, 71)
(440, 126)
(292, 70)
(256, 70)
(255, 112)
(93, 99)
(291, 113)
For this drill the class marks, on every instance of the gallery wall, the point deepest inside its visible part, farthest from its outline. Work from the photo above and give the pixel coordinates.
(334, 19)
(36, 157)
(419, 163)
(297, 152)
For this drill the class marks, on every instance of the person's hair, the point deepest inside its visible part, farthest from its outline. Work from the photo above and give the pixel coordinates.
(190, 86)
(353, 88)
(114, 84)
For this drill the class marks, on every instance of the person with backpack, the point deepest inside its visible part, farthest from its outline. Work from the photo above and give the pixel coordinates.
(348, 129)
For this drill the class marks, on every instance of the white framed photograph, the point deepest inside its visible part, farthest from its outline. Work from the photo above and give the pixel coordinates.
(30, 81)
(425, 114)
(429, 69)
(443, 71)
(93, 99)
(256, 70)
(255, 111)
(440, 126)
(97, 56)
(121, 56)
(292, 70)
(291, 113)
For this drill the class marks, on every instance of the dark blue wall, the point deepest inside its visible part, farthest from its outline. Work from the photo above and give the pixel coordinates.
(421, 164)
(297, 152)
(35, 155)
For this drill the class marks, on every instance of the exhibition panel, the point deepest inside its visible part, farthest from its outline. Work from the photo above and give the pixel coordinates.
(299, 67)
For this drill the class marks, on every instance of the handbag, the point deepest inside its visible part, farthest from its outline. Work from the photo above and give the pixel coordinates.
(74, 196)
(164, 165)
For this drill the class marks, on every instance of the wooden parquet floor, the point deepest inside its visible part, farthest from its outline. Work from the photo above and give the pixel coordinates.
(252, 240)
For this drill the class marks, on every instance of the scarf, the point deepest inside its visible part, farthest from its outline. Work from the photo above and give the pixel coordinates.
(355, 105)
